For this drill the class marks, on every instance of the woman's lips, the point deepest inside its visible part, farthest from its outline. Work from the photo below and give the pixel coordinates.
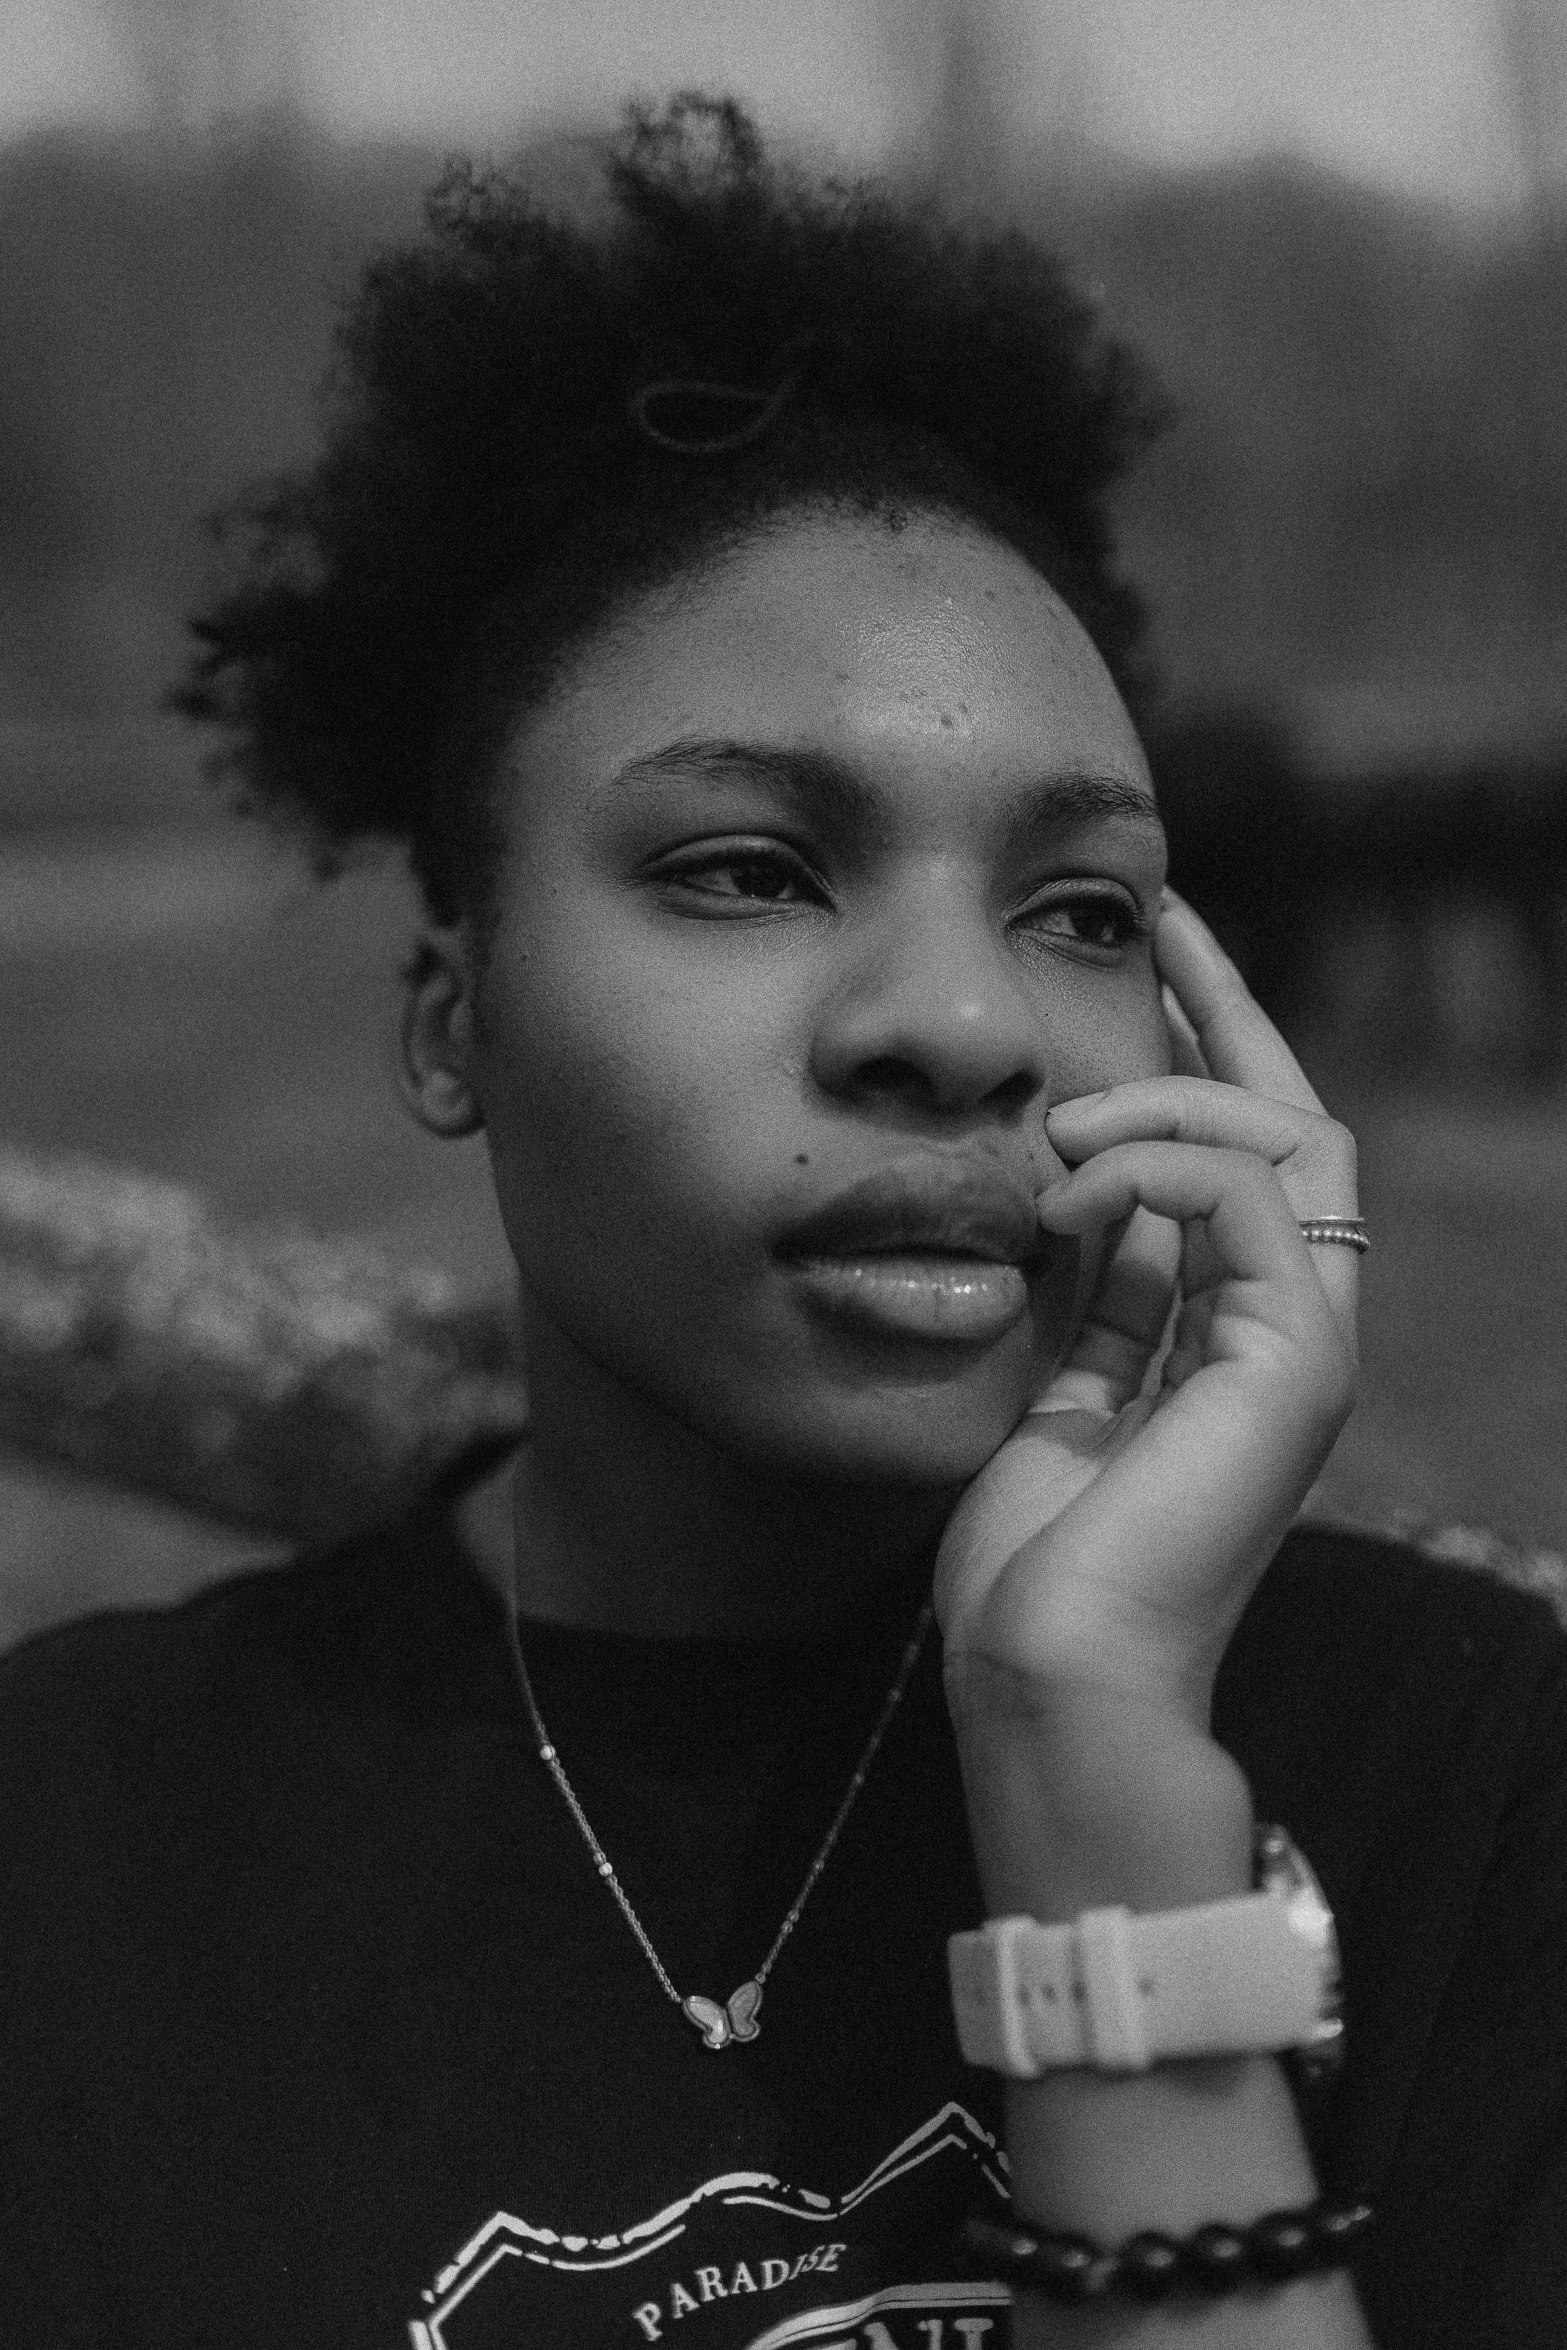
(931, 1245)
(962, 1300)
(923, 1205)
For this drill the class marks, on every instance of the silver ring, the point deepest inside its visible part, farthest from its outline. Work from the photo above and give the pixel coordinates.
(1344, 1231)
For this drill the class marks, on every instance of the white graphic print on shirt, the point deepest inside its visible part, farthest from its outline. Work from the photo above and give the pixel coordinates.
(772, 2264)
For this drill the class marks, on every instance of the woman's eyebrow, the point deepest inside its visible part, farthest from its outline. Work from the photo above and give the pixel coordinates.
(826, 788)
(1082, 796)
(815, 783)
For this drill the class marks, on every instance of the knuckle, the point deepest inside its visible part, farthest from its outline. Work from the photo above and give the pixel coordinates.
(1188, 1109)
(1328, 1157)
(1249, 1168)
(1332, 1136)
(1339, 1143)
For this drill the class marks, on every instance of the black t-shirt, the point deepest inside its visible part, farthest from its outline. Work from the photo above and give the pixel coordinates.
(318, 2027)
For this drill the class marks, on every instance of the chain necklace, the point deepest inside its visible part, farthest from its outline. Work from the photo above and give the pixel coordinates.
(736, 2019)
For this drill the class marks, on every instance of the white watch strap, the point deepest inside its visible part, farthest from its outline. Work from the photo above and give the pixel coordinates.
(1119, 1992)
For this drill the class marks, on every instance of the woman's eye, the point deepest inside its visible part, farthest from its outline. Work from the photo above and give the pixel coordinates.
(1101, 922)
(742, 877)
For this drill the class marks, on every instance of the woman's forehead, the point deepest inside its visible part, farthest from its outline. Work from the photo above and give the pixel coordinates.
(843, 630)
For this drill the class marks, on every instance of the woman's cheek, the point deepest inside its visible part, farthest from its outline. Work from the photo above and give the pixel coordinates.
(595, 1167)
(1139, 1045)
(1122, 1036)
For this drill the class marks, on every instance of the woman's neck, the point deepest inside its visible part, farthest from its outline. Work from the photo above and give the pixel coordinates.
(626, 1520)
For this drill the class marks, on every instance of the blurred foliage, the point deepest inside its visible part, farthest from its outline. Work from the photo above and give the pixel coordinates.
(266, 1378)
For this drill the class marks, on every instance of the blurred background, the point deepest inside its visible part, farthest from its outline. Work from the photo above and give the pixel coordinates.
(1340, 233)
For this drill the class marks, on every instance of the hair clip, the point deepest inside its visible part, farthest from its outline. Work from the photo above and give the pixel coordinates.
(768, 406)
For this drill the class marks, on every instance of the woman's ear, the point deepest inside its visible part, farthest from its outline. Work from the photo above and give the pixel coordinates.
(437, 1038)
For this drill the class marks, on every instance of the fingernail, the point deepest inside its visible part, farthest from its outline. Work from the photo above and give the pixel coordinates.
(1076, 1101)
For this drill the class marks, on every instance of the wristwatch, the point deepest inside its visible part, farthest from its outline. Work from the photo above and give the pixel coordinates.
(1118, 1992)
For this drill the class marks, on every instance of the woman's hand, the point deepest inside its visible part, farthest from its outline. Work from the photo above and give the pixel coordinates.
(1090, 1578)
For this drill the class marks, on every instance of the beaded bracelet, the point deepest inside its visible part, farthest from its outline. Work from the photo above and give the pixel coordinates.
(1150, 2266)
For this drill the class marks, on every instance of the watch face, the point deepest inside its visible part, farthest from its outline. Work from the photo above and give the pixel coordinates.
(1282, 1869)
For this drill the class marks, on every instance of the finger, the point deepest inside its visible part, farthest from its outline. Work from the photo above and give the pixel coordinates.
(1250, 1226)
(1313, 1154)
(1124, 1326)
(1241, 1046)
(1189, 1342)
(1185, 1051)
(1236, 1038)
(1200, 1110)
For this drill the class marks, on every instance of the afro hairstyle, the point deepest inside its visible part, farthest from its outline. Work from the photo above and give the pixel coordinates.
(535, 417)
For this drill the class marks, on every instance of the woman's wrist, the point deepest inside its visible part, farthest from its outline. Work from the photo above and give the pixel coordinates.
(1179, 2148)
(1090, 1799)
(1214, 2139)
(1086, 1798)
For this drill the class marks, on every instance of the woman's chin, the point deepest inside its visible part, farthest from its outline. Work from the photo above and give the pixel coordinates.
(918, 1437)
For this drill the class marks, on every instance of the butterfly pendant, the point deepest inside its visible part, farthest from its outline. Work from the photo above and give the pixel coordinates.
(717, 2025)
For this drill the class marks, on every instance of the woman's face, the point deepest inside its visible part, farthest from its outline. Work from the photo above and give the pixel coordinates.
(826, 874)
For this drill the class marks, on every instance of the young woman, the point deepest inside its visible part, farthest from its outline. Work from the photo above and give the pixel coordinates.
(911, 1210)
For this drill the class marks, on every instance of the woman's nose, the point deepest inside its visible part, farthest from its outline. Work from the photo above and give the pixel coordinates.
(932, 1014)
